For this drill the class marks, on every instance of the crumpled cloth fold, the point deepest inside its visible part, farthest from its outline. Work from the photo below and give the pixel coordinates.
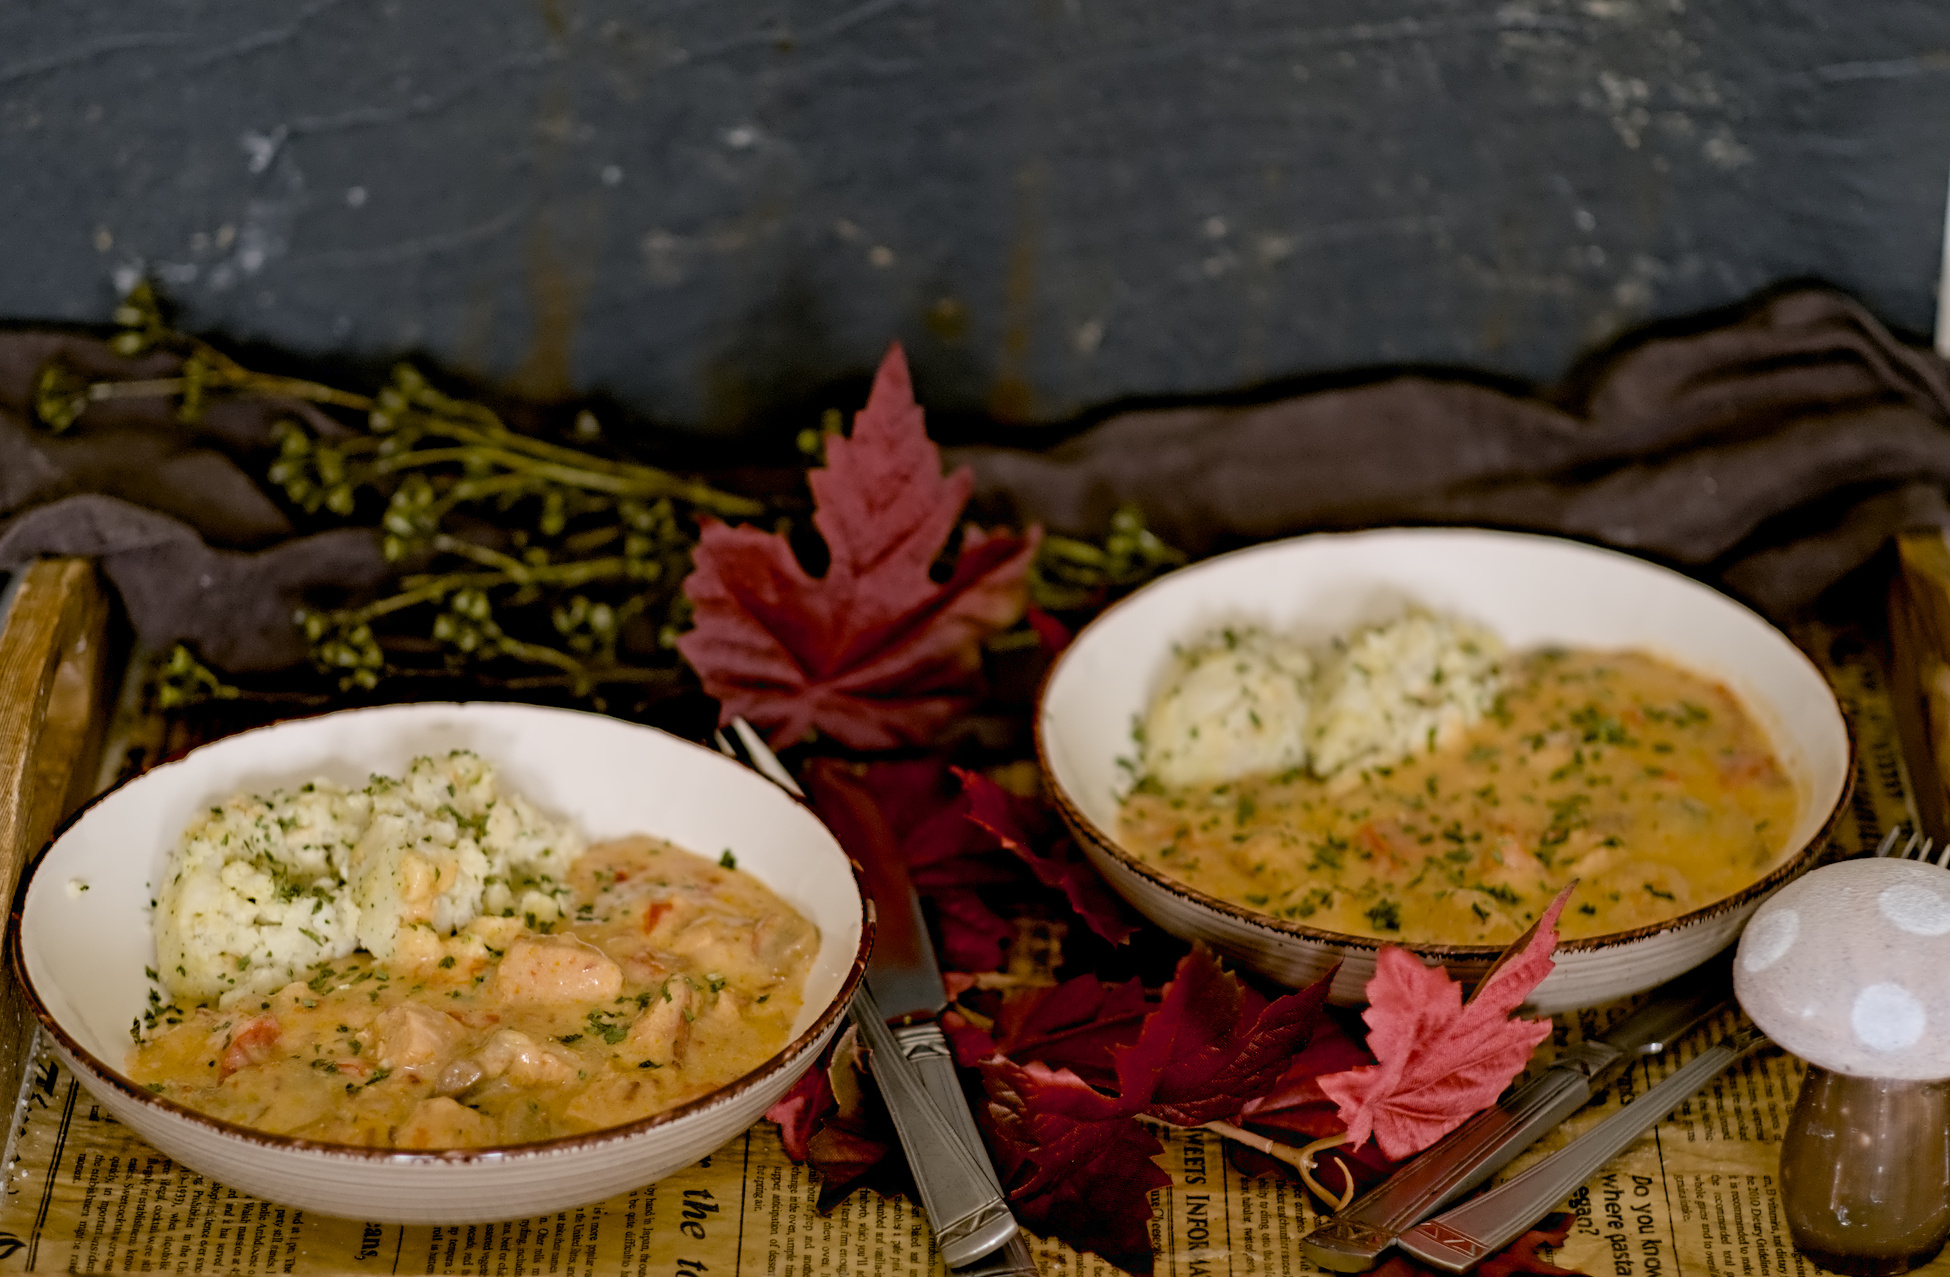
(175, 513)
(1773, 454)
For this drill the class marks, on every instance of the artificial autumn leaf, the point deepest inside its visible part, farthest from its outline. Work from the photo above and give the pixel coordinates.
(1213, 1045)
(1197, 1055)
(923, 810)
(1076, 1025)
(855, 1145)
(914, 810)
(1296, 1103)
(1299, 1110)
(828, 1120)
(1052, 633)
(1075, 1164)
(973, 936)
(1000, 813)
(875, 654)
(1521, 1255)
(1440, 1059)
(801, 1110)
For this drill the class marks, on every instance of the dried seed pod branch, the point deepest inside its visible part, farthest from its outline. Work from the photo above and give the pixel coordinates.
(1070, 574)
(534, 564)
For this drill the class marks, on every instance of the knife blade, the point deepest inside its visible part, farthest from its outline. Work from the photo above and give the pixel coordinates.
(904, 982)
(1458, 1240)
(1356, 1237)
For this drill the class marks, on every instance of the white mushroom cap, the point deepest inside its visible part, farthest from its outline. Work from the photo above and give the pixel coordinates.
(1849, 968)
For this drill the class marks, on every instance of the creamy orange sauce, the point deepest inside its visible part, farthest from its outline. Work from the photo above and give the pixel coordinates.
(672, 977)
(1647, 784)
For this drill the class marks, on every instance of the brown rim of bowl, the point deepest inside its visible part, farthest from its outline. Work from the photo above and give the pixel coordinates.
(1792, 865)
(785, 1057)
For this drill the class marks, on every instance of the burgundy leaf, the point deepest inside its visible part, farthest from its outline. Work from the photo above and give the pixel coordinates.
(996, 810)
(1213, 1045)
(875, 654)
(1076, 1166)
(1440, 1059)
(801, 1110)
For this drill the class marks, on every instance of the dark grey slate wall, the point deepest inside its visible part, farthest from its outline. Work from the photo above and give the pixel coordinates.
(710, 207)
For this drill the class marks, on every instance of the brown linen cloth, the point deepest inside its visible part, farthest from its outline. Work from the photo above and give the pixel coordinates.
(1775, 454)
(175, 513)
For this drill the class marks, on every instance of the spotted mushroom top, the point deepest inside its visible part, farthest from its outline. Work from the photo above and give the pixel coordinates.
(1849, 968)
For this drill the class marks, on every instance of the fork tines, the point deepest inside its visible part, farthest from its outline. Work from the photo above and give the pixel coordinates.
(1916, 848)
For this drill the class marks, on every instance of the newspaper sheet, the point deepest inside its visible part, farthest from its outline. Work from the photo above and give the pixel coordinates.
(1697, 1197)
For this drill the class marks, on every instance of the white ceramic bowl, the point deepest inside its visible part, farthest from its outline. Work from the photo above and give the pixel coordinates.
(82, 952)
(1531, 590)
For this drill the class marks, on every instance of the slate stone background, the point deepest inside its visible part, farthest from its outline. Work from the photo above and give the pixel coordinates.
(711, 209)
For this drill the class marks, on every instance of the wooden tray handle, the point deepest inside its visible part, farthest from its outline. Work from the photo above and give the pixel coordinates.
(1919, 675)
(55, 697)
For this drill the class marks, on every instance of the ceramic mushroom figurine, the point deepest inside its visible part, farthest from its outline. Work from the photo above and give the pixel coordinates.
(1849, 968)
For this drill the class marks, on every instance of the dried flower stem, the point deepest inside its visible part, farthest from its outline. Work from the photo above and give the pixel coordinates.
(1300, 1159)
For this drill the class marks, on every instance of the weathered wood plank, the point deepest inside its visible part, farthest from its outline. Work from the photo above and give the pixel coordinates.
(56, 672)
(1919, 631)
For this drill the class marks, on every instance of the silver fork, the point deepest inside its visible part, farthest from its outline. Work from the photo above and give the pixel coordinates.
(1917, 848)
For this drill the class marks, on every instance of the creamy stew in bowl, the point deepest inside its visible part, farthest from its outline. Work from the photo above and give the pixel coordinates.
(667, 977)
(1647, 784)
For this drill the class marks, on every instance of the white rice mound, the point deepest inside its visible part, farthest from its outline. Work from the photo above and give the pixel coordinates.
(1237, 704)
(265, 886)
(1395, 690)
(1245, 702)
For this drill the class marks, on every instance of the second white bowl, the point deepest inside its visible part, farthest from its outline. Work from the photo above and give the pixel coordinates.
(1532, 591)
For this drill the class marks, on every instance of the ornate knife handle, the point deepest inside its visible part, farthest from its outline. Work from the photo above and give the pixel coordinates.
(927, 1050)
(960, 1195)
(1462, 1238)
(1354, 1240)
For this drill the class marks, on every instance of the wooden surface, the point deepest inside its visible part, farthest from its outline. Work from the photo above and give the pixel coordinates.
(1919, 633)
(56, 673)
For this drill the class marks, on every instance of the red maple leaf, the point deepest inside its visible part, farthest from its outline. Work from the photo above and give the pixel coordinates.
(1440, 1059)
(1077, 1162)
(1004, 816)
(875, 654)
(843, 1129)
(961, 835)
(1212, 1045)
(1076, 1025)
(801, 1110)
(1296, 1103)
(915, 809)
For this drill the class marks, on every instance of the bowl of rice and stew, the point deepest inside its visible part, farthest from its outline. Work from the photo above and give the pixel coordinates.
(1305, 750)
(441, 963)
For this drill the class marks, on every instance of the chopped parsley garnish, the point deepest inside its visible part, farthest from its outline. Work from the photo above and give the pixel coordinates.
(609, 1029)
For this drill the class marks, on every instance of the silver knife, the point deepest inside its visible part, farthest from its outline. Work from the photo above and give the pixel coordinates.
(1462, 1238)
(960, 1194)
(1355, 1238)
(904, 981)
